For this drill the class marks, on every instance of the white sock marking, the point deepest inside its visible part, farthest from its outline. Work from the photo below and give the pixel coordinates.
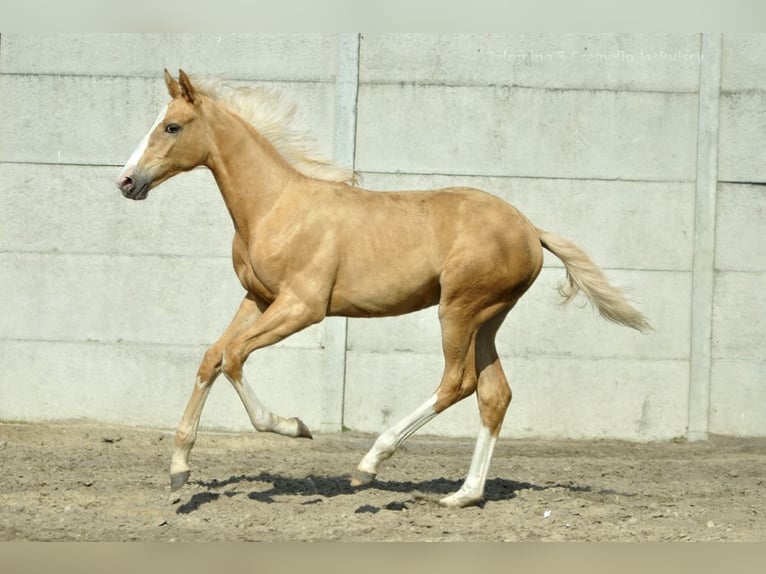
(390, 440)
(473, 487)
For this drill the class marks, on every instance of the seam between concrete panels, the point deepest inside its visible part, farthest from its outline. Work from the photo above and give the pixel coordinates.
(703, 268)
(336, 328)
(506, 176)
(427, 84)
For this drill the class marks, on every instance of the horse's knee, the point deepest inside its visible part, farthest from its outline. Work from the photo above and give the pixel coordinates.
(210, 365)
(232, 361)
(232, 364)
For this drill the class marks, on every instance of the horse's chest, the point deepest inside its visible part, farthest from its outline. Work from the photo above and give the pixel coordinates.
(255, 277)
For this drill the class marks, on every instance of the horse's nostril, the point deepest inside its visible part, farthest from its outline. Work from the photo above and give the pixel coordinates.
(125, 183)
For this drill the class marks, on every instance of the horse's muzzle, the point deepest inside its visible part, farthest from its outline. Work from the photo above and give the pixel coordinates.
(133, 187)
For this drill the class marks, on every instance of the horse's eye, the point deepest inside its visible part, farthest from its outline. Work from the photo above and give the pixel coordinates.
(172, 128)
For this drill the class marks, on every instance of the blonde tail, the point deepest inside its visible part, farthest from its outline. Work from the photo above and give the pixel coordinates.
(583, 275)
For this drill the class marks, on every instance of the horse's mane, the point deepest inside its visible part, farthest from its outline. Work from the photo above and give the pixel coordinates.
(274, 117)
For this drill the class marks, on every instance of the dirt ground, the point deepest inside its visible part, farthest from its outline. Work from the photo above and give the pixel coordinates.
(79, 481)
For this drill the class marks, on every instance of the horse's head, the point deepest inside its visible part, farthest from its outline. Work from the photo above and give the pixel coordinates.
(175, 143)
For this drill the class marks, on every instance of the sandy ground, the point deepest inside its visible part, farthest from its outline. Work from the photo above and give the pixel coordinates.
(95, 482)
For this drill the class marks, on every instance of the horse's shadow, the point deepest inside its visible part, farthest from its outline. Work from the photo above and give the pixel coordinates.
(314, 486)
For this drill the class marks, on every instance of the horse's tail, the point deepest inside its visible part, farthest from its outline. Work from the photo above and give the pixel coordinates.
(583, 275)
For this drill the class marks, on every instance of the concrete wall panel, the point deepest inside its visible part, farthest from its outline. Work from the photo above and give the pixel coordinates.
(301, 57)
(742, 138)
(99, 120)
(743, 62)
(641, 399)
(133, 299)
(147, 384)
(78, 209)
(526, 132)
(740, 241)
(738, 393)
(631, 62)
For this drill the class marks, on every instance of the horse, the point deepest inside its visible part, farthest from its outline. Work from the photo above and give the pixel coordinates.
(310, 243)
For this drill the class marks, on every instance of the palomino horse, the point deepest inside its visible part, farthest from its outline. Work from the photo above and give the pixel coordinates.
(308, 243)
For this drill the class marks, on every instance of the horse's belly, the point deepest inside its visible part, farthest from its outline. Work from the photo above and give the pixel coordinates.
(369, 299)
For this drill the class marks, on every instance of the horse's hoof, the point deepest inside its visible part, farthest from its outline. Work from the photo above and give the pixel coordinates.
(361, 478)
(178, 479)
(303, 430)
(460, 500)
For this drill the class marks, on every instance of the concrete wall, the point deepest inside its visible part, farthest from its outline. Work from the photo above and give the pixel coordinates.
(738, 379)
(604, 139)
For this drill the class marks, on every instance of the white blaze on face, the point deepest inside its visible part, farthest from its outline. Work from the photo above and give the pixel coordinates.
(132, 162)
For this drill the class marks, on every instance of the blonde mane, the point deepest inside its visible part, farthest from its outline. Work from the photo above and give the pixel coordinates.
(274, 117)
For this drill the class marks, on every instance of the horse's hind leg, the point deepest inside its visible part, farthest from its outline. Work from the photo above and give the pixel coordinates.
(458, 381)
(494, 396)
(387, 443)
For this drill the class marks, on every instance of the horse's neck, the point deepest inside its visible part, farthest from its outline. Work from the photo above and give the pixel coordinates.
(250, 173)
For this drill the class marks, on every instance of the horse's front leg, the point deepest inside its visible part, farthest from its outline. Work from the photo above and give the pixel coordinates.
(209, 369)
(288, 314)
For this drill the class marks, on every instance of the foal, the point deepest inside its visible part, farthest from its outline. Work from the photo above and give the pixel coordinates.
(309, 244)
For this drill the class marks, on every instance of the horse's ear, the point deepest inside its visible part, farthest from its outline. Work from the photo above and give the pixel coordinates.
(188, 91)
(174, 89)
